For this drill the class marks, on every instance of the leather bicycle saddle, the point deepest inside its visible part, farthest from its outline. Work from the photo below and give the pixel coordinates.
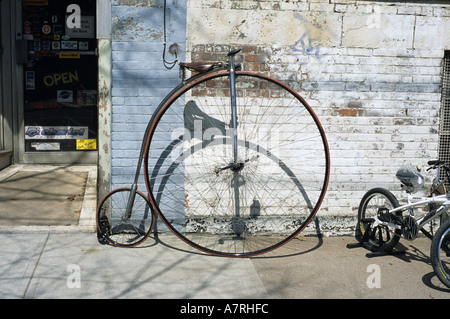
(200, 67)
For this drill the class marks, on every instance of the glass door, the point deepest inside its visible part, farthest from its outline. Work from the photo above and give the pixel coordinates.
(59, 81)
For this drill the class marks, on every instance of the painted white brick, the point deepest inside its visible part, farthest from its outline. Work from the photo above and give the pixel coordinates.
(371, 71)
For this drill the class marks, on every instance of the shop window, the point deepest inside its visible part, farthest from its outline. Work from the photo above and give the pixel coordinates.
(60, 75)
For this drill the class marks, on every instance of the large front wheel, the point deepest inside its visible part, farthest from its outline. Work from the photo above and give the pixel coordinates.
(236, 195)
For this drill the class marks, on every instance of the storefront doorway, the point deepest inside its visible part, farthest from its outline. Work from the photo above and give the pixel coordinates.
(6, 80)
(60, 81)
(56, 65)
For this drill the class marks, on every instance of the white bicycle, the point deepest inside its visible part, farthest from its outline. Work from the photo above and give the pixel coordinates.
(382, 221)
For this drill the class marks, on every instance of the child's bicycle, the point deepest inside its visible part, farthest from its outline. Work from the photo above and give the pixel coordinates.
(382, 221)
(235, 164)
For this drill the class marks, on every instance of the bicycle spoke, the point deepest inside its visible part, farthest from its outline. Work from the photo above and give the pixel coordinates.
(236, 208)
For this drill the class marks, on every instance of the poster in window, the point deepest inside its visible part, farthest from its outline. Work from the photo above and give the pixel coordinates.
(86, 31)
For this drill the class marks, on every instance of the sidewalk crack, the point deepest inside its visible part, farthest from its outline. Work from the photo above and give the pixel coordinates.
(35, 267)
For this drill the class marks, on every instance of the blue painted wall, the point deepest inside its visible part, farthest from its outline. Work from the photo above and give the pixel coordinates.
(139, 78)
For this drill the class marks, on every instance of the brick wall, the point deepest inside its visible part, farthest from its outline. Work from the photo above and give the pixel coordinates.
(140, 79)
(371, 71)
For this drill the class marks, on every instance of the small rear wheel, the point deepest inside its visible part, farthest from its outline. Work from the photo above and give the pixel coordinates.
(379, 238)
(118, 230)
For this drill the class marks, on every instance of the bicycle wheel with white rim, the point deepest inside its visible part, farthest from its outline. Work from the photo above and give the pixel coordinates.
(232, 204)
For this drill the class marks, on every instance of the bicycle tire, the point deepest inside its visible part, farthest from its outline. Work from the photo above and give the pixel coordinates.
(440, 253)
(113, 229)
(252, 208)
(377, 239)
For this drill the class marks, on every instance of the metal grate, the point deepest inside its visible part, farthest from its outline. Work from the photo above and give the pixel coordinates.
(1, 85)
(444, 129)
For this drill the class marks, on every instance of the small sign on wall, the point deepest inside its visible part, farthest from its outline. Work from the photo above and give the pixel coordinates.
(86, 30)
(44, 146)
(56, 132)
(87, 144)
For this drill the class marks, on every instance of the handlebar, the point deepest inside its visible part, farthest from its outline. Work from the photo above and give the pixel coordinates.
(437, 163)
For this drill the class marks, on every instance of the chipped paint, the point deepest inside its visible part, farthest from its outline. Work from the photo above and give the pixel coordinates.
(370, 71)
(104, 116)
(131, 28)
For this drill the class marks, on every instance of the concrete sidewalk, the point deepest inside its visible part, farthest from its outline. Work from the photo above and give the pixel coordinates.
(75, 265)
(48, 197)
(326, 268)
(44, 254)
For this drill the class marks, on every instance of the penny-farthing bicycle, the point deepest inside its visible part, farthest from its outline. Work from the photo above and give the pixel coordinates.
(236, 164)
